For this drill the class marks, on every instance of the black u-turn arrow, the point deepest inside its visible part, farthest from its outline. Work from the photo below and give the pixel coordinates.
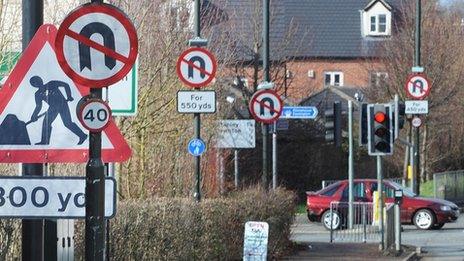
(271, 106)
(202, 66)
(108, 42)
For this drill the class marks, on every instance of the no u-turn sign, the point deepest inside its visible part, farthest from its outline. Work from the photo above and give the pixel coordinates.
(196, 67)
(96, 45)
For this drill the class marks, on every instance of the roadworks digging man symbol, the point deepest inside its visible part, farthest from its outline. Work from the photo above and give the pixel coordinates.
(57, 105)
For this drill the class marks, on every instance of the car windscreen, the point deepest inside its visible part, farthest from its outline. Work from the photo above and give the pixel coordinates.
(406, 191)
(329, 190)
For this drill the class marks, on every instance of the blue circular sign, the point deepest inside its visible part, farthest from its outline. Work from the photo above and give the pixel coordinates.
(196, 147)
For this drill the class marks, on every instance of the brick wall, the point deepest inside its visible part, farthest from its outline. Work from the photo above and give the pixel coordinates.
(355, 74)
(300, 85)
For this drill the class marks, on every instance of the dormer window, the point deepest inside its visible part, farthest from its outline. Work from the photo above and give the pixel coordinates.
(379, 24)
(376, 19)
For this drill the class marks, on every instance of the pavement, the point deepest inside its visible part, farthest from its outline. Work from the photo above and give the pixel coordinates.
(313, 243)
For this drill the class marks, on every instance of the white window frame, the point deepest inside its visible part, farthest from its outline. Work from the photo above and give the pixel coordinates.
(376, 78)
(376, 24)
(332, 78)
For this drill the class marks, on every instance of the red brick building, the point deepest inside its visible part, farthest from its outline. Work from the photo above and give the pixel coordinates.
(314, 43)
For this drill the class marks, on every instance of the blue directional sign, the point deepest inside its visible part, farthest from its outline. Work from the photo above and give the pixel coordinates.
(300, 112)
(196, 147)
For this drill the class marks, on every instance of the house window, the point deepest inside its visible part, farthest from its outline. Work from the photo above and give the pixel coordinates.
(382, 23)
(378, 24)
(378, 79)
(333, 79)
(373, 24)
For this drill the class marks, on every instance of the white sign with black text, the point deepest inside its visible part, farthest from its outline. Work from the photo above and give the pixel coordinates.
(196, 101)
(417, 107)
(236, 134)
(49, 197)
(255, 241)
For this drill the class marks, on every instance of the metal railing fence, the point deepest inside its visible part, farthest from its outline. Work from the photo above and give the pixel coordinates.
(449, 185)
(363, 229)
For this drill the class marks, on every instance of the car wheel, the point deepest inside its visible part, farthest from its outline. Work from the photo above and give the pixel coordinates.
(424, 219)
(438, 226)
(327, 219)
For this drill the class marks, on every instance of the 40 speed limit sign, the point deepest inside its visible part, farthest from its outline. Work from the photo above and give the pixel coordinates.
(94, 114)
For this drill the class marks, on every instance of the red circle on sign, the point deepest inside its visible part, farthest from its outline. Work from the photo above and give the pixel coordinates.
(211, 74)
(254, 100)
(81, 111)
(64, 30)
(422, 77)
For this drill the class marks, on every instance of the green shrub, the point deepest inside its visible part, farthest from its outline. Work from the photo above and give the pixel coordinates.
(180, 229)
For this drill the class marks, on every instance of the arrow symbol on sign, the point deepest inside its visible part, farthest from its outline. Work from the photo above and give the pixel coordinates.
(109, 52)
(264, 105)
(418, 84)
(202, 66)
(108, 41)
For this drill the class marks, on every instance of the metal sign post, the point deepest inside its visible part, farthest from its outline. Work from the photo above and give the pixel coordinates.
(196, 68)
(417, 63)
(32, 239)
(381, 205)
(120, 48)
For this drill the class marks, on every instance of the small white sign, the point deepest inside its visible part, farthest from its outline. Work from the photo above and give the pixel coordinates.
(236, 134)
(255, 241)
(416, 122)
(196, 101)
(49, 197)
(417, 107)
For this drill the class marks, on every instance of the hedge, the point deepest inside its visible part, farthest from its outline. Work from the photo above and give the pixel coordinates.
(181, 229)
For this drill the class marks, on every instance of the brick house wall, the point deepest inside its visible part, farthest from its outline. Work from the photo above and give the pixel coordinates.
(301, 83)
(307, 76)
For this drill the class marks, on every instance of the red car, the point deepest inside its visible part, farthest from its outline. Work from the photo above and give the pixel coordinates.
(424, 213)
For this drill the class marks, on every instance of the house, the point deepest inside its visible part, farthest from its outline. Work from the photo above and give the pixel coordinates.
(315, 43)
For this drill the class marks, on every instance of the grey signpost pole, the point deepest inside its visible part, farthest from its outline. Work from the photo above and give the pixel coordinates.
(380, 202)
(274, 156)
(196, 116)
(95, 193)
(236, 172)
(350, 165)
(417, 63)
(32, 238)
(267, 78)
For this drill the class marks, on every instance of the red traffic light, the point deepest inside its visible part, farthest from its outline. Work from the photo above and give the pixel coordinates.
(380, 117)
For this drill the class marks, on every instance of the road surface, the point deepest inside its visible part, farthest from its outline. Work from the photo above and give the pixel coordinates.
(444, 244)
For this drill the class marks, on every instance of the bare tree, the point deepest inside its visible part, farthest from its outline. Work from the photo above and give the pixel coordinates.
(442, 52)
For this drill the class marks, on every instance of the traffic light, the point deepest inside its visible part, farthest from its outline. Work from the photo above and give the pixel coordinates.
(400, 113)
(380, 129)
(333, 122)
(363, 124)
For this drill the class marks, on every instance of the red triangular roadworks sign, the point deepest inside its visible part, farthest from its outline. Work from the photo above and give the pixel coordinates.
(22, 134)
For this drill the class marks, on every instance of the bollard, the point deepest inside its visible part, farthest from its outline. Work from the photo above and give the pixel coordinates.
(331, 223)
(364, 223)
(397, 228)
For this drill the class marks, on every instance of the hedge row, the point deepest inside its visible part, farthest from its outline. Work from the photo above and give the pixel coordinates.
(180, 229)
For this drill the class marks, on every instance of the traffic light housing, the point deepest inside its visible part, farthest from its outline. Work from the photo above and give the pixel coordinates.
(400, 115)
(380, 129)
(363, 139)
(333, 122)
